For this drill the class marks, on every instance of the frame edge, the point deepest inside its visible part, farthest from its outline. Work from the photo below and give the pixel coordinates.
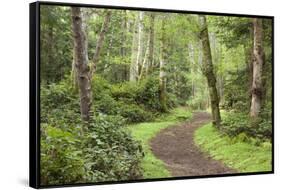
(33, 92)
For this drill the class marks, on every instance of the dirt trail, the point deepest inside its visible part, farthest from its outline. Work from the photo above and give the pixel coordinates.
(175, 146)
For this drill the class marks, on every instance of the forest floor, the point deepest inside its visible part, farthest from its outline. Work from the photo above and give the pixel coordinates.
(175, 146)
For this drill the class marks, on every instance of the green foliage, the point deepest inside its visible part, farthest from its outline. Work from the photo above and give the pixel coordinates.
(134, 113)
(197, 103)
(177, 114)
(127, 91)
(239, 153)
(73, 151)
(119, 99)
(111, 152)
(61, 160)
(149, 94)
(100, 87)
(63, 92)
(238, 83)
(98, 151)
(56, 43)
(60, 100)
(136, 102)
(234, 124)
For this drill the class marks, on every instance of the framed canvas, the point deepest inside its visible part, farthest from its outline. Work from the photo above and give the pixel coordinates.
(131, 94)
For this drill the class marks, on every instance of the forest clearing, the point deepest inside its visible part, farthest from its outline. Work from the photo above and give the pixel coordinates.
(133, 95)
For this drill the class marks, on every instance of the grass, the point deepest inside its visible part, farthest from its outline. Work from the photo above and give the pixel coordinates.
(234, 152)
(144, 132)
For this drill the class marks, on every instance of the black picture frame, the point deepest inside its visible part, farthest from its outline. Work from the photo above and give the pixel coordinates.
(34, 92)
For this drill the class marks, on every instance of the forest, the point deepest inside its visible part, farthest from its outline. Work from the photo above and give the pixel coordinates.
(132, 95)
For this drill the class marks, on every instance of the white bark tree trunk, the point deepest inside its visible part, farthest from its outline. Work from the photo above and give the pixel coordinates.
(136, 48)
(162, 74)
(258, 62)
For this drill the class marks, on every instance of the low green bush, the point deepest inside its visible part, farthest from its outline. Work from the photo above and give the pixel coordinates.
(133, 113)
(100, 87)
(126, 91)
(97, 151)
(234, 124)
(61, 161)
(76, 152)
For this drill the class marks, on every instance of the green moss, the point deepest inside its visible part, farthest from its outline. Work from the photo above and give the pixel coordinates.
(144, 132)
(238, 153)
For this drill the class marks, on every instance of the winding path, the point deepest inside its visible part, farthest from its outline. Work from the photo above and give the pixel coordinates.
(175, 146)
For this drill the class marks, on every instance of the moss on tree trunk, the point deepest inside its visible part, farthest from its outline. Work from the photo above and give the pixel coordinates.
(208, 71)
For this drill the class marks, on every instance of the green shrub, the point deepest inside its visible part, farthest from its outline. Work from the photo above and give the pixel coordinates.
(58, 102)
(61, 161)
(110, 151)
(98, 151)
(234, 124)
(134, 113)
(73, 151)
(100, 87)
(58, 95)
(126, 91)
(106, 105)
(149, 94)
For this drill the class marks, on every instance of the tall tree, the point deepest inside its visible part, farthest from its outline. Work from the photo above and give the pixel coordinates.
(207, 70)
(81, 63)
(137, 47)
(133, 65)
(100, 41)
(162, 73)
(258, 62)
(140, 43)
(249, 61)
(151, 43)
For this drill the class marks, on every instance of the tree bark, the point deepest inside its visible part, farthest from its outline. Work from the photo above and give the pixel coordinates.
(249, 57)
(144, 65)
(258, 61)
(162, 74)
(100, 41)
(151, 43)
(137, 48)
(133, 66)
(208, 71)
(81, 63)
(140, 44)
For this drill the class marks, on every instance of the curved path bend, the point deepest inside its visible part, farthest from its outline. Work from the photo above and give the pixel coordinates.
(176, 148)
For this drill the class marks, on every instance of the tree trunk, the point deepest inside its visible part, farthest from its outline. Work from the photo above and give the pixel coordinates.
(100, 41)
(144, 65)
(162, 74)
(151, 43)
(81, 63)
(137, 48)
(140, 44)
(258, 62)
(133, 66)
(249, 56)
(208, 71)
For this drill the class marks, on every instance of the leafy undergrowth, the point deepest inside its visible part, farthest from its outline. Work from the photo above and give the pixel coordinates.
(240, 152)
(144, 132)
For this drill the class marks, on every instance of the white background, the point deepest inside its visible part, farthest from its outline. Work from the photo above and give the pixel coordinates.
(14, 73)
